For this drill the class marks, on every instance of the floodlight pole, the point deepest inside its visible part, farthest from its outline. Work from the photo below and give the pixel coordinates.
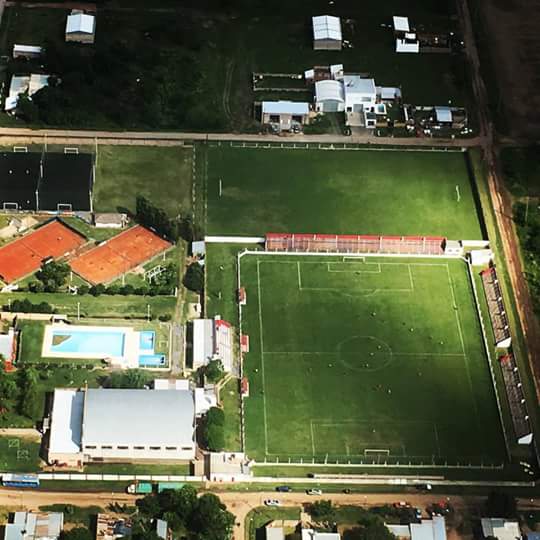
(78, 311)
(148, 312)
(220, 187)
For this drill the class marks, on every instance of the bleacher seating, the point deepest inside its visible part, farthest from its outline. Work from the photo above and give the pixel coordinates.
(340, 243)
(497, 313)
(516, 399)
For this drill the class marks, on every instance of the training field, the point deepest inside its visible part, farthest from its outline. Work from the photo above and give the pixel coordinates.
(338, 192)
(364, 359)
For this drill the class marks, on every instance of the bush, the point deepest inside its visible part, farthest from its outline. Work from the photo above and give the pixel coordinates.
(97, 290)
(165, 318)
(213, 430)
(83, 289)
(25, 306)
(194, 278)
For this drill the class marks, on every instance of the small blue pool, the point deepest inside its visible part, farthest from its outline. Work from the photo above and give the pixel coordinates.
(100, 343)
(151, 360)
(147, 340)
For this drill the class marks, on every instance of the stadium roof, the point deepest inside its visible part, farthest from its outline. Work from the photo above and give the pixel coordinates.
(329, 90)
(285, 107)
(66, 421)
(326, 27)
(67, 180)
(80, 22)
(138, 417)
(19, 176)
(401, 24)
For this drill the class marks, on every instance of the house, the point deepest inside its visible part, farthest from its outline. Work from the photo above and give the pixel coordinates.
(408, 44)
(443, 115)
(212, 340)
(285, 114)
(26, 51)
(427, 529)
(34, 526)
(329, 96)
(112, 527)
(326, 33)
(24, 84)
(110, 220)
(310, 534)
(500, 528)
(360, 100)
(80, 27)
(121, 425)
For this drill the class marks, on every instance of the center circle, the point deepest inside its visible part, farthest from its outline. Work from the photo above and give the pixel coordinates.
(364, 353)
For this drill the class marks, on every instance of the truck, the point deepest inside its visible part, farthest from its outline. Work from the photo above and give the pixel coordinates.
(140, 488)
(169, 485)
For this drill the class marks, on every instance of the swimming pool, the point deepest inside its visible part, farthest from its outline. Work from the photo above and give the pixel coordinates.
(100, 343)
(147, 340)
(151, 360)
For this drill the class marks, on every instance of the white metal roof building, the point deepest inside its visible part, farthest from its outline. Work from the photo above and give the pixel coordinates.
(310, 534)
(501, 529)
(21, 84)
(122, 424)
(427, 529)
(26, 51)
(329, 96)
(443, 114)
(34, 526)
(359, 92)
(407, 45)
(285, 107)
(326, 32)
(80, 27)
(212, 339)
(401, 24)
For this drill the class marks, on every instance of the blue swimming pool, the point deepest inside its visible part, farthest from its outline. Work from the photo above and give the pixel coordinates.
(101, 343)
(147, 340)
(151, 360)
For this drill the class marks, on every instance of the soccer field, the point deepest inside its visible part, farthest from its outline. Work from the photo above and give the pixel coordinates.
(252, 191)
(366, 359)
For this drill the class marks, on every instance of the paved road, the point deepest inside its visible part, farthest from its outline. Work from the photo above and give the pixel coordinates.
(240, 503)
(8, 135)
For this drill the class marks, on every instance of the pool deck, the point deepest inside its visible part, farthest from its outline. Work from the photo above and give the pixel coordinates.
(131, 352)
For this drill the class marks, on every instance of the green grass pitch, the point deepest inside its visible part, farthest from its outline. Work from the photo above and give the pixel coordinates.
(341, 192)
(362, 359)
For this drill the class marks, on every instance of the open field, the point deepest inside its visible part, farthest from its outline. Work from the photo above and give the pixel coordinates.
(383, 360)
(341, 192)
(18, 455)
(161, 174)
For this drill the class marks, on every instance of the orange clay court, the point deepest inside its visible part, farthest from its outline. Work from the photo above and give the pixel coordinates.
(25, 255)
(119, 255)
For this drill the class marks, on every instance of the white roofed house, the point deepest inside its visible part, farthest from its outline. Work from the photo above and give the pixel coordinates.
(500, 528)
(34, 526)
(329, 96)
(360, 100)
(80, 27)
(121, 425)
(285, 114)
(24, 84)
(27, 51)
(427, 529)
(327, 33)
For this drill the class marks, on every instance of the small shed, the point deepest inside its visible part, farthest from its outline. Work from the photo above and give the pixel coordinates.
(80, 27)
(110, 220)
(26, 51)
(401, 24)
(327, 33)
(443, 115)
(407, 45)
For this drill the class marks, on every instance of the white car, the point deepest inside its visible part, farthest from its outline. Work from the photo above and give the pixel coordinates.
(272, 502)
(314, 492)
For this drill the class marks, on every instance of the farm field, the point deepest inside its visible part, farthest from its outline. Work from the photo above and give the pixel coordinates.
(382, 359)
(342, 192)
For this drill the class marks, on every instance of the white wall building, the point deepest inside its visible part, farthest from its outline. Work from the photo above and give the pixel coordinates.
(120, 425)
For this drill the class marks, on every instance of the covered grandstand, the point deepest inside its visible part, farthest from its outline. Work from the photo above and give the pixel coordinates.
(497, 313)
(66, 183)
(342, 243)
(119, 255)
(516, 399)
(25, 255)
(19, 177)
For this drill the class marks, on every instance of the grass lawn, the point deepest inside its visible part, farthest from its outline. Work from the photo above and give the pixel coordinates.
(341, 192)
(130, 306)
(259, 517)
(18, 455)
(230, 399)
(161, 174)
(383, 360)
(126, 468)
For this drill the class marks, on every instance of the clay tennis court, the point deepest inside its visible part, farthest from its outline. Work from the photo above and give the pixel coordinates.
(25, 255)
(119, 255)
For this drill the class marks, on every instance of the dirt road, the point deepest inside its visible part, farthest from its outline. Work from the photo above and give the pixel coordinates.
(240, 503)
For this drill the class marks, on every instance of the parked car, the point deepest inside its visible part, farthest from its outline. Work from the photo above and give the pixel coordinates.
(314, 491)
(272, 502)
(284, 489)
(402, 504)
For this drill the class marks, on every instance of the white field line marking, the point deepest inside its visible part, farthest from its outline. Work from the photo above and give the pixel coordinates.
(437, 438)
(292, 255)
(262, 360)
(458, 195)
(299, 276)
(356, 271)
(455, 308)
(312, 438)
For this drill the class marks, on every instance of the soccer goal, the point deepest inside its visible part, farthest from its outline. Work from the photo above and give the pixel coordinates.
(71, 150)
(64, 207)
(376, 452)
(10, 206)
(20, 149)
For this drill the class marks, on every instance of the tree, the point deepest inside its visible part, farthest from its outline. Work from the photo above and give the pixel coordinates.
(374, 530)
(501, 505)
(322, 511)
(149, 506)
(213, 371)
(194, 278)
(78, 533)
(214, 429)
(53, 275)
(28, 398)
(130, 378)
(181, 502)
(210, 519)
